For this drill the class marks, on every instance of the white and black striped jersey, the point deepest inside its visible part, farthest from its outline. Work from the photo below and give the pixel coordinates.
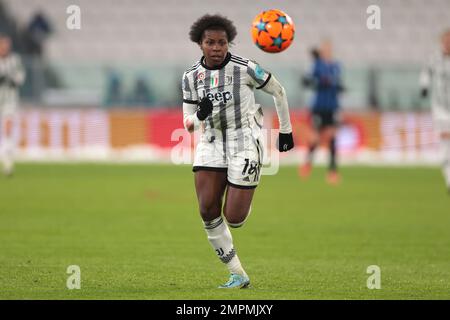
(230, 86)
(12, 75)
(436, 78)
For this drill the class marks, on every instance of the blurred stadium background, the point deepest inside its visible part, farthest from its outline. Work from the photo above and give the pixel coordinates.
(111, 91)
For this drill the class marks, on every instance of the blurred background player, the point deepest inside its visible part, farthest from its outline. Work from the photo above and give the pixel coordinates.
(218, 99)
(12, 75)
(325, 79)
(436, 78)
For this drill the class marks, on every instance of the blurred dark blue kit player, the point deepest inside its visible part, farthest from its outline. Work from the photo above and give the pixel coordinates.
(325, 79)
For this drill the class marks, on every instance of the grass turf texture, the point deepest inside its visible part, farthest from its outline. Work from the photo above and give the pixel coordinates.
(135, 232)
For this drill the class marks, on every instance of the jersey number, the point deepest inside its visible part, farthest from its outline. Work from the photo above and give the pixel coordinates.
(251, 168)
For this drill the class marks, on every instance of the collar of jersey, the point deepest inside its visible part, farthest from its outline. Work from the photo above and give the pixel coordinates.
(220, 66)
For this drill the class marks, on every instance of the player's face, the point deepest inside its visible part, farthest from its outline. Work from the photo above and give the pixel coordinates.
(446, 43)
(214, 46)
(326, 51)
(5, 46)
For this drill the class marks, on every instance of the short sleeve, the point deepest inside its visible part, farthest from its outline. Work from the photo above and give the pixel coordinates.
(258, 77)
(189, 93)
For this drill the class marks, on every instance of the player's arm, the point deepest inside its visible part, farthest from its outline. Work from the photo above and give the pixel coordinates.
(194, 111)
(274, 88)
(190, 120)
(17, 76)
(189, 104)
(315, 79)
(425, 81)
(338, 83)
(262, 79)
(3, 78)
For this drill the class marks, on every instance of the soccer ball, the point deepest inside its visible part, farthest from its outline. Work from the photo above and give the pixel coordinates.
(273, 31)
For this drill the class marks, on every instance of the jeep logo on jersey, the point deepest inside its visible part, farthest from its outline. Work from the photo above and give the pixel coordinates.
(224, 96)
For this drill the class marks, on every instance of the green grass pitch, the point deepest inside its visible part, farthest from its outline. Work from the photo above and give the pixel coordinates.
(135, 232)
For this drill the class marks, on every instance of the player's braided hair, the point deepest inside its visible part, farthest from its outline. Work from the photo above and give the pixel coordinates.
(212, 22)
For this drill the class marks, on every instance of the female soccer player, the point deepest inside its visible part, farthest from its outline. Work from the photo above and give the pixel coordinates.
(326, 81)
(12, 75)
(436, 78)
(218, 99)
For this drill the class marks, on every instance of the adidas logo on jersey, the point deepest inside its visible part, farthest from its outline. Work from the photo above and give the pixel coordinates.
(223, 96)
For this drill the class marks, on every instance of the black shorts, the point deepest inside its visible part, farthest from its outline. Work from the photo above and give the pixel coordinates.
(322, 119)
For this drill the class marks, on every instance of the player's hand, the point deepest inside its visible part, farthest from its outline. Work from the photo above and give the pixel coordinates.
(204, 108)
(315, 53)
(11, 83)
(307, 81)
(285, 142)
(7, 81)
(424, 92)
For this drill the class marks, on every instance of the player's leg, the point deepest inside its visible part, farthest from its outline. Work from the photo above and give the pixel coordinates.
(312, 146)
(445, 149)
(2, 137)
(236, 210)
(5, 144)
(244, 173)
(329, 136)
(210, 187)
(9, 132)
(237, 205)
(313, 142)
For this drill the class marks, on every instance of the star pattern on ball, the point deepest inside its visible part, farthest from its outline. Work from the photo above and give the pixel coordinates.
(261, 26)
(278, 41)
(282, 20)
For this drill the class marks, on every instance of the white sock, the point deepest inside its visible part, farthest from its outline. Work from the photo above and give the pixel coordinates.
(445, 146)
(7, 156)
(8, 142)
(222, 242)
(447, 175)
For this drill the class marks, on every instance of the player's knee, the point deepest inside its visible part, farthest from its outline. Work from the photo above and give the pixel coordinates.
(235, 223)
(236, 219)
(210, 210)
